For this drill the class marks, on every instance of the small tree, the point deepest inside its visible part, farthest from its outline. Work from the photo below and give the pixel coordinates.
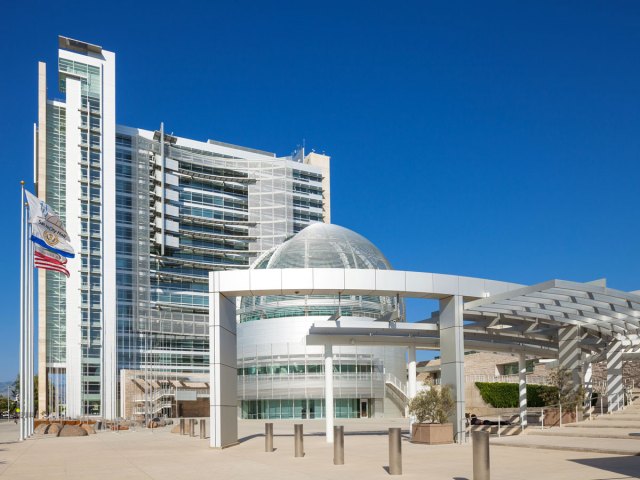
(565, 393)
(433, 405)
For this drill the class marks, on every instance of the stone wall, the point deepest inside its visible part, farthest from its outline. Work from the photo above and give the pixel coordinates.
(195, 408)
(630, 373)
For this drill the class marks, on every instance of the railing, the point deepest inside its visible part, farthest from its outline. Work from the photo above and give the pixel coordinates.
(156, 394)
(400, 386)
(156, 407)
(531, 379)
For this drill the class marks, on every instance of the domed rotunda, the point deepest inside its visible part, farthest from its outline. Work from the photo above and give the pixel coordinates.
(321, 245)
(279, 376)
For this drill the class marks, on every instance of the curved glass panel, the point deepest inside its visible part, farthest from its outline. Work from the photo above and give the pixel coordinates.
(320, 246)
(324, 245)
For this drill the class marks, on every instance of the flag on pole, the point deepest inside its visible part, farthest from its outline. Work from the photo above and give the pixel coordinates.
(48, 260)
(47, 230)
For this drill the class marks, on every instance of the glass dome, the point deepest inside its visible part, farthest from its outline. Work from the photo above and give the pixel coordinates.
(323, 245)
(320, 245)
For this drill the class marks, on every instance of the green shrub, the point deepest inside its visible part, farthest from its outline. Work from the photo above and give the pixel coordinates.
(537, 393)
(433, 405)
(505, 395)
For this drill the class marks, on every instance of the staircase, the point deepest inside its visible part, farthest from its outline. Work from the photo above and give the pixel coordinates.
(615, 433)
(158, 399)
(400, 389)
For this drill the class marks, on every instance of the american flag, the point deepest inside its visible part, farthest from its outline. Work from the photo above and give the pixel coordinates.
(48, 260)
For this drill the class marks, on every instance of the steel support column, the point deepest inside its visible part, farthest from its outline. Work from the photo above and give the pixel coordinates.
(522, 388)
(223, 368)
(587, 382)
(614, 375)
(569, 354)
(452, 355)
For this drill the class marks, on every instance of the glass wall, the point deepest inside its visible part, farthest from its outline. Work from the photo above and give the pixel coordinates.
(300, 408)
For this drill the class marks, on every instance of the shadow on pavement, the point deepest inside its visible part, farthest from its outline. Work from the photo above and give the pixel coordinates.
(624, 465)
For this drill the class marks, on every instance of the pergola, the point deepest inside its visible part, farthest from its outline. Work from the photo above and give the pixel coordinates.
(573, 321)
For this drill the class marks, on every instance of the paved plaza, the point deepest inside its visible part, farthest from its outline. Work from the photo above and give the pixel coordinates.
(160, 454)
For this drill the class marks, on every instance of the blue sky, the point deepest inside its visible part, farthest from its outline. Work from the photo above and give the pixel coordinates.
(491, 139)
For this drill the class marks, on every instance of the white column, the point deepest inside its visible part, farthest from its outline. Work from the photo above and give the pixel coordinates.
(109, 286)
(522, 389)
(412, 386)
(411, 367)
(30, 338)
(614, 374)
(223, 389)
(73, 157)
(328, 391)
(588, 386)
(23, 330)
(452, 355)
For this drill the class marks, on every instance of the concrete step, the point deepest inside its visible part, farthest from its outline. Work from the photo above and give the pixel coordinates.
(627, 417)
(607, 424)
(614, 446)
(585, 432)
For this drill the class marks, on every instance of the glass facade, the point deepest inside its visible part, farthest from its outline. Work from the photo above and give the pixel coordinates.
(321, 246)
(182, 209)
(279, 374)
(56, 286)
(300, 409)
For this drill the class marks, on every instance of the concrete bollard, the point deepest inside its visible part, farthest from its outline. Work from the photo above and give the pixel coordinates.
(299, 445)
(268, 437)
(481, 469)
(182, 426)
(203, 428)
(192, 427)
(395, 451)
(338, 445)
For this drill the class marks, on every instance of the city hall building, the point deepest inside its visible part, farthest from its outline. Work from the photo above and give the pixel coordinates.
(208, 281)
(150, 215)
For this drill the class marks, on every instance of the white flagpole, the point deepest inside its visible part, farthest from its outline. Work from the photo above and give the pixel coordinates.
(33, 335)
(27, 360)
(22, 316)
(27, 313)
(30, 405)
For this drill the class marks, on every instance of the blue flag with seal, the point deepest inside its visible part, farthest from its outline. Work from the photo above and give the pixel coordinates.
(47, 230)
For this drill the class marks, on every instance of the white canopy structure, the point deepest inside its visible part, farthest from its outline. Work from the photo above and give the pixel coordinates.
(573, 321)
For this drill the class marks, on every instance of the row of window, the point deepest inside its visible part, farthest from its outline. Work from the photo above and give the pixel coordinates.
(302, 368)
(307, 176)
(303, 188)
(307, 202)
(215, 214)
(302, 408)
(123, 140)
(214, 244)
(215, 259)
(209, 199)
(307, 216)
(238, 190)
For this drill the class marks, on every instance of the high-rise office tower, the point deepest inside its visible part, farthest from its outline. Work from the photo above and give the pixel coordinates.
(150, 215)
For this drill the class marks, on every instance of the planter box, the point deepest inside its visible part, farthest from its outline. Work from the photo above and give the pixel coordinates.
(432, 433)
(552, 417)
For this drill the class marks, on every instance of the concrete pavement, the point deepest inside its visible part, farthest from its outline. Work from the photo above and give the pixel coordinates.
(158, 454)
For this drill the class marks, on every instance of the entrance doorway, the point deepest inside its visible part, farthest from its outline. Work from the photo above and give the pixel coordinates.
(364, 408)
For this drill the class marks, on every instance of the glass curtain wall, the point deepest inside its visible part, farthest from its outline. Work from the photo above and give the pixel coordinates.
(91, 238)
